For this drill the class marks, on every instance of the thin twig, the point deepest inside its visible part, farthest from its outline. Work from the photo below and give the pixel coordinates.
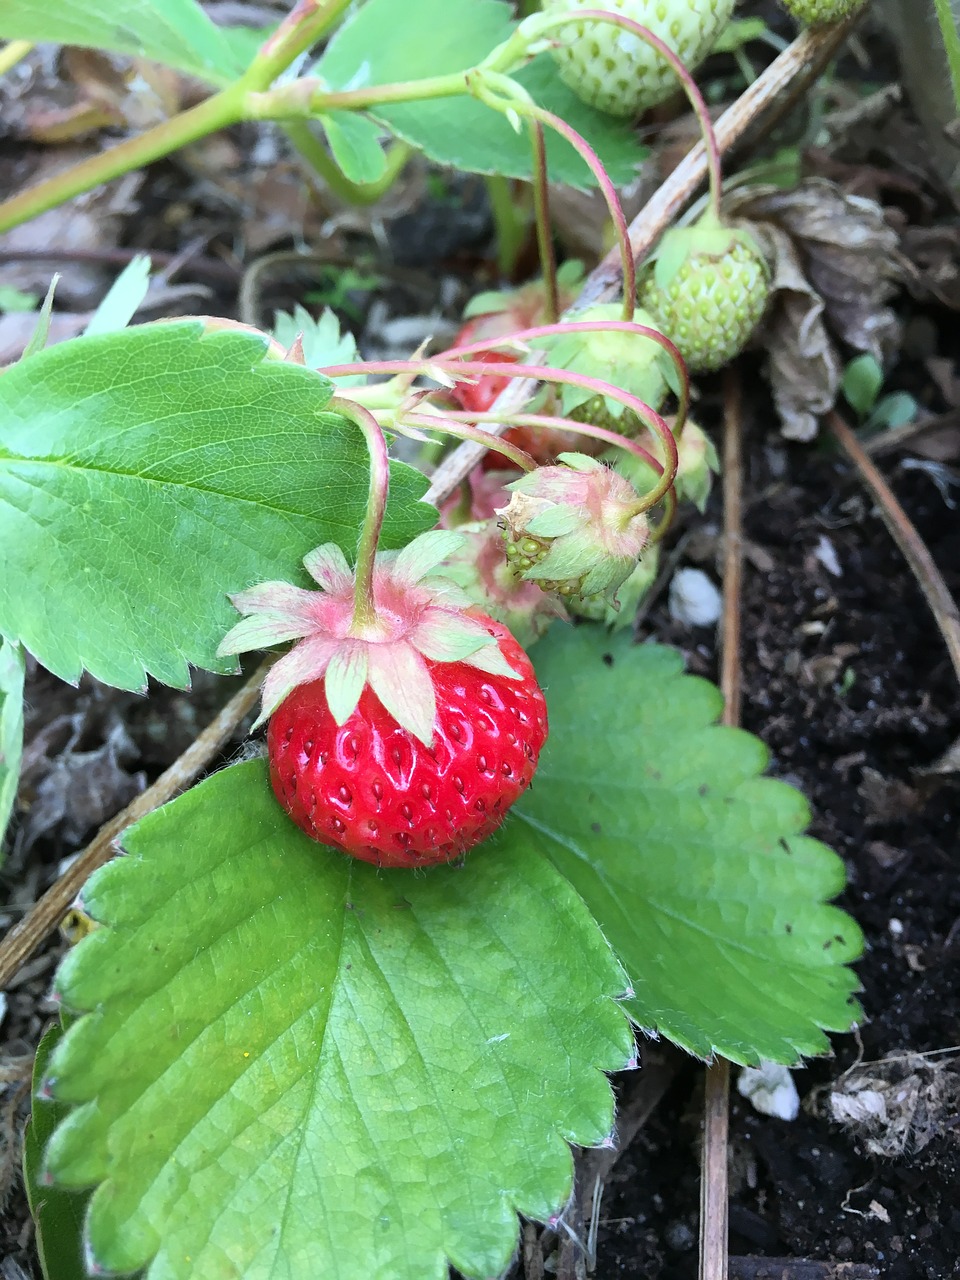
(730, 683)
(25, 937)
(941, 602)
(798, 63)
(713, 1174)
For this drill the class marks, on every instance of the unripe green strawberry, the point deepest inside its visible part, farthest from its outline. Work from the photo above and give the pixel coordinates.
(617, 72)
(634, 363)
(820, 13)
(706, 290)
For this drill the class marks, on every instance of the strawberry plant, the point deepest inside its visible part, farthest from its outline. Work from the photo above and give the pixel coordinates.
(343, 1006)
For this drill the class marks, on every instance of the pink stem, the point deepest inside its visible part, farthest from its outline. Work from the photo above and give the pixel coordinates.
(364, 607)
(592, 160)
(541, 373)
(552, 421)
(456, 424)
(590, 326)
(694, 95)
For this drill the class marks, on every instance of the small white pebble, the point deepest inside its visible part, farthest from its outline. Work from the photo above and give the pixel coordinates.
(694, 600)
(771, 1090)
(896, 927)
(826, 553)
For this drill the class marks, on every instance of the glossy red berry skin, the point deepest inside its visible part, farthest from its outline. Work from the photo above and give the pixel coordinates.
(478, 396)
(375, 791)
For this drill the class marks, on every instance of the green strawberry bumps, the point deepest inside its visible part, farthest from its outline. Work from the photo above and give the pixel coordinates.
(706, 289)
(819, 13)
(617, 72)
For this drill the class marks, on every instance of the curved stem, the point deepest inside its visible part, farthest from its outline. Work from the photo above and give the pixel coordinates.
(694, 96)
(502, 94)
(542, 373)
(364, 607)
(459, 426)
(591, 326)
(214, 113)
(666, 520)
(316, 155)
(555, 422)
(541, 206)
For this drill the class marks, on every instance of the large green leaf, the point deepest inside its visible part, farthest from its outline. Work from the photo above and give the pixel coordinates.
(11, 727)
(57, 1213)
(694, 866)
(176, 32)
(300, 1066)
(146, 473)
(436, 37)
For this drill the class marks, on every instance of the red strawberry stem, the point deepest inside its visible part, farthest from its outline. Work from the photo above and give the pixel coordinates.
(505, 95)
(542, 373)
(364, 608)
(545, 22)
(459, 426)
(554, 421)
(589, 326)
(541, 209)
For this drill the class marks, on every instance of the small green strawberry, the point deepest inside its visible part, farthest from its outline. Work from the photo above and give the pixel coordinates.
(820, 13)
(617, 72)
(636, 364)
(706, 289)
(574, 528)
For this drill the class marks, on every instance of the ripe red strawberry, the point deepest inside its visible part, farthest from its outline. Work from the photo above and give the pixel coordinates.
(403, 744)
(374, 790)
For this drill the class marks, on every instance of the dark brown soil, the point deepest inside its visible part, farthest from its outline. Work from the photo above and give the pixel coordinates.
(853, 743)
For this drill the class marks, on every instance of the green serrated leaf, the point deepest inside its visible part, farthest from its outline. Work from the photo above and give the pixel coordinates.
(11, 727)
(146, 473)
(355, 143)
(302, 1066)
(323, 343)
(694, 866)
(122, 299)
(57, 1214)
(175, 32)
(437, 37)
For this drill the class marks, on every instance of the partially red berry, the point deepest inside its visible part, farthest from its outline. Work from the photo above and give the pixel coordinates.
(374, 790)
(497, 315)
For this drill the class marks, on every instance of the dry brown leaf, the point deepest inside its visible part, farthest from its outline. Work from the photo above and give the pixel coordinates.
(802, 364)
(836, 264)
